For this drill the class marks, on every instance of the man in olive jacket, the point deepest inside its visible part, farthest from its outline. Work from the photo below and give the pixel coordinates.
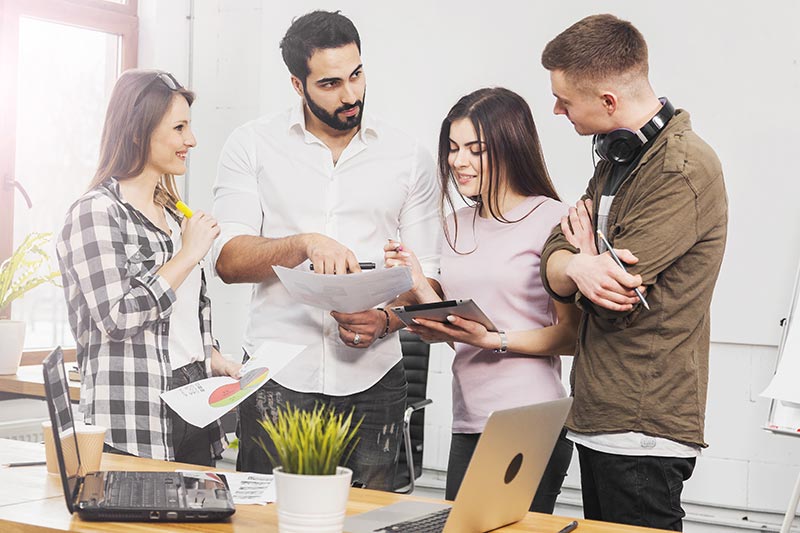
(639, 376)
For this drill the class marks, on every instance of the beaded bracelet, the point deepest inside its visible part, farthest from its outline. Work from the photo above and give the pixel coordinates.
(386, 330)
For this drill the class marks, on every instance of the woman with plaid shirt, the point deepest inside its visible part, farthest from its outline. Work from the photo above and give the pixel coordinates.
(132, 278)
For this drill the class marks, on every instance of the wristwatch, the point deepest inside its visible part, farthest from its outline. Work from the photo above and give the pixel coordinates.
(503, 343)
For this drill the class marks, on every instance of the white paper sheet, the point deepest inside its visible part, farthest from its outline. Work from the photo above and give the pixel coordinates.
(204, 401)
(247, 488)
(349, 293)
(784, 383)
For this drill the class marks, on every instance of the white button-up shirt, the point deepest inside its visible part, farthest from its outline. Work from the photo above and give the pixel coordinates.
(276, 179)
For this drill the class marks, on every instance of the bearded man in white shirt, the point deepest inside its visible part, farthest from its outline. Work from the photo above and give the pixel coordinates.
(324, 184)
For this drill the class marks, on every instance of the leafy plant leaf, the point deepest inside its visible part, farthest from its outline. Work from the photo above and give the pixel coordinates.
(20, 272)
(312, 442)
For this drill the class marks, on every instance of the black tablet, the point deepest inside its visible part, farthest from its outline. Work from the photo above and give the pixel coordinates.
(439, 310)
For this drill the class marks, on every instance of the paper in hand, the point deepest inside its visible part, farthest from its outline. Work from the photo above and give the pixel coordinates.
(202, 402)
(348, 293)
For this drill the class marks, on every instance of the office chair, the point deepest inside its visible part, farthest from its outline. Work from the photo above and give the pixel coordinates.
(415, 359)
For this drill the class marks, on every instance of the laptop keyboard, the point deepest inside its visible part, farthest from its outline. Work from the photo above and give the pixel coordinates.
(154, 490)
(430, 523)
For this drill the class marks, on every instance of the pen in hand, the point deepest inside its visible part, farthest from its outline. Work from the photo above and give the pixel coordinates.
(183, 208)
(362, 266)
(569, 527)
(617, 260)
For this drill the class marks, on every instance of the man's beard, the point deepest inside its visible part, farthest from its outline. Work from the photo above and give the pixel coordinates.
(333, 120)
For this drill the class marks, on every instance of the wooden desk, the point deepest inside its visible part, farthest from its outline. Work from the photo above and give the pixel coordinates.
(29, 382)
(37, 503)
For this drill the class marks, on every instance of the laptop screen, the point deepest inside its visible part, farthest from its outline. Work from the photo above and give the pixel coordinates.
(56, 388)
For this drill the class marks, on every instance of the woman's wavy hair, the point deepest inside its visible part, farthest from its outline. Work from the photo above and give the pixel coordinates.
(138, 104)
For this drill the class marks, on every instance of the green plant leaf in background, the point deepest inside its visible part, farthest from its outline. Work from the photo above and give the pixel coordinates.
(21, 272)
(310, 442)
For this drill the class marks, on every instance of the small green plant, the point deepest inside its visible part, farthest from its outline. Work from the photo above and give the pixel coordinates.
(21, 272)
(311, 442)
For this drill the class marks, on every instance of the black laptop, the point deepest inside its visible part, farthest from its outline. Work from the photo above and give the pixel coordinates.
(126, 496)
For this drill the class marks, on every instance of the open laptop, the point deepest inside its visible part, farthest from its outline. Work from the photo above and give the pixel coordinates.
(125, 496)
(500, 482)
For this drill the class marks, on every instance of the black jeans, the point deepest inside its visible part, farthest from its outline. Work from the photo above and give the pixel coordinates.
(374, 460)
(463, 446)
(191, 443)
(640, 491)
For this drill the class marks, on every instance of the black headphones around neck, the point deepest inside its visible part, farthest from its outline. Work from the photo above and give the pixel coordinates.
(623, 145)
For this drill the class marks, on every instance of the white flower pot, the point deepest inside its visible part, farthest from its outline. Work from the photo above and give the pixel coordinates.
(12, 339)
(312, 504)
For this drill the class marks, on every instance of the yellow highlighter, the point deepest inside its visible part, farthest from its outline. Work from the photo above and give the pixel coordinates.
(183, 208)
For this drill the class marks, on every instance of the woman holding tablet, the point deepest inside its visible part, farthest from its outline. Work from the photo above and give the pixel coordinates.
(489, 149)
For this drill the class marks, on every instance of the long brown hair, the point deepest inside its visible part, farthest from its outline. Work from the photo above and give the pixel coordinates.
(137, 105)
(503, 121)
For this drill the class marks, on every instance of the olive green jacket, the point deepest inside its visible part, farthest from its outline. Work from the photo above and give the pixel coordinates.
(647, 371)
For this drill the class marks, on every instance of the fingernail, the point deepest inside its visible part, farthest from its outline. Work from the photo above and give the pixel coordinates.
(414, 320)
(451, 318)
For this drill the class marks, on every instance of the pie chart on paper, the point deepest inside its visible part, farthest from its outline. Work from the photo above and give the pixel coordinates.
(229, 394)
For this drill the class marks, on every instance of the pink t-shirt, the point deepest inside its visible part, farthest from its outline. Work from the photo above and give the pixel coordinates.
(502, 277)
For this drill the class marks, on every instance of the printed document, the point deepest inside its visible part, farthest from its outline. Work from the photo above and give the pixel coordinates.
(246, 487)
(204, 401)
(348, 293)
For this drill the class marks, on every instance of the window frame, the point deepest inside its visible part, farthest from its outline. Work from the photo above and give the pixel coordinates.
(100, 15)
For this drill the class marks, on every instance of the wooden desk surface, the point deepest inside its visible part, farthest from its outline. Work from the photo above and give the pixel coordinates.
(28, 381)
(33, 500)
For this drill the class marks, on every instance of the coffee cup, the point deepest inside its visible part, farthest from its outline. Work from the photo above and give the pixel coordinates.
(90, 439)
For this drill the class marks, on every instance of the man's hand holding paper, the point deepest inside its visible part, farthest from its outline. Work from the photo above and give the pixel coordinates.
(360, 330)
(329, 256)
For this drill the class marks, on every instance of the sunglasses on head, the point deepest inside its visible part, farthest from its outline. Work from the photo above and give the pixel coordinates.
(166, 78)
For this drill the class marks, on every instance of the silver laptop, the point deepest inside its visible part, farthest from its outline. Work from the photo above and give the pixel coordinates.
(500, 482)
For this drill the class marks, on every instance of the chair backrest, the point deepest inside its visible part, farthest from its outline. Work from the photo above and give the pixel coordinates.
(415, 359)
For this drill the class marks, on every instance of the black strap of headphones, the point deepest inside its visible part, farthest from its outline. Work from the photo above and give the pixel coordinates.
(619, 173)
(657, 123)
(654, 126)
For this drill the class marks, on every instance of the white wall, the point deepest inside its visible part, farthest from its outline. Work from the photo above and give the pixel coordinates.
(734, 67)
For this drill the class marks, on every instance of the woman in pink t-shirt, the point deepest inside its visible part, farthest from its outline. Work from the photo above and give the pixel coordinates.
(489, 149)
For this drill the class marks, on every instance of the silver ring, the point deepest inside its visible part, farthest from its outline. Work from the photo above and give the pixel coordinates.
(357, 339)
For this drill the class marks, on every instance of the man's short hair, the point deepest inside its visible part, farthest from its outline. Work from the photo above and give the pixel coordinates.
(314, 31)
(597, 48)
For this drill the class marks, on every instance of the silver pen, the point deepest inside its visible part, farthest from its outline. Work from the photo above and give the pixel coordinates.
(617, 260)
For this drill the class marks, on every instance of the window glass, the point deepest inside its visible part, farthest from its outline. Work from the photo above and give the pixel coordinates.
(65, 78)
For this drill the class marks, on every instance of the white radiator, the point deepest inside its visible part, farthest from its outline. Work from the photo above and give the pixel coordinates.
(28, 430)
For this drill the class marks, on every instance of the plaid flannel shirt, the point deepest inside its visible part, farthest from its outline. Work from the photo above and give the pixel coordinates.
(109, 255)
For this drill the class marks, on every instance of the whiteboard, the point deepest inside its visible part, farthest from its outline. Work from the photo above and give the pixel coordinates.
(784, 389)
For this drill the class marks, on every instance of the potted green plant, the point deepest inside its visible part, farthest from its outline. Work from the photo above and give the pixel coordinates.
(311, 485)
(19, 274)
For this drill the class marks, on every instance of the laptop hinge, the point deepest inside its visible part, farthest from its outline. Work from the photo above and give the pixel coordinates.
(79, 481)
